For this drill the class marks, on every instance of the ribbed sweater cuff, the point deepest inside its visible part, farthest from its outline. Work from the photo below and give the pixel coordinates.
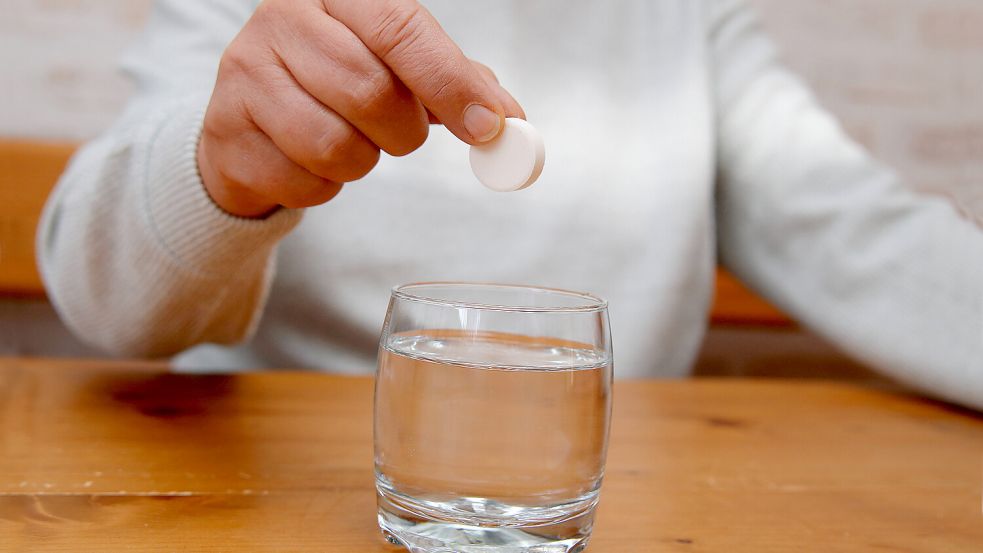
(198, 234)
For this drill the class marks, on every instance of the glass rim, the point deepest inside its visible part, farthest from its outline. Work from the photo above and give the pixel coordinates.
(591, 304)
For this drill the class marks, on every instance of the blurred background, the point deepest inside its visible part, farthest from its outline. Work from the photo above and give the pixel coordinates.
(902, 75)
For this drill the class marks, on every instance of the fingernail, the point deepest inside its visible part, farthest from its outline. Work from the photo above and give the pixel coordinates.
(481, 123)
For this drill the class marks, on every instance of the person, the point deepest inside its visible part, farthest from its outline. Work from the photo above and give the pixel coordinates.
(200, 223)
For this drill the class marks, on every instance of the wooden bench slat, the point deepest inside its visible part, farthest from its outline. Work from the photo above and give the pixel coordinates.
(30, 169)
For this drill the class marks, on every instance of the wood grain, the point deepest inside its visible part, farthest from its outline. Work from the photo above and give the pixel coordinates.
(98, 457)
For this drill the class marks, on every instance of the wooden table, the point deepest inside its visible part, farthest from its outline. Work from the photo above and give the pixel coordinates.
(117, 457)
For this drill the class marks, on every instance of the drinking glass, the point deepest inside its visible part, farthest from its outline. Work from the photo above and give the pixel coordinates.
(492, 408)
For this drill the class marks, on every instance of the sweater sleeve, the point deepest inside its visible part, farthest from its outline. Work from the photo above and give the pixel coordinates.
(810, 221)
(135, 256)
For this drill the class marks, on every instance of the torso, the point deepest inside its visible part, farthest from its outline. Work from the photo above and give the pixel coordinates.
(623, 208)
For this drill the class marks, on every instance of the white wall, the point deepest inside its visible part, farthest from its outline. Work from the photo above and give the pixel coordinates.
(59, 64)
(903, 75)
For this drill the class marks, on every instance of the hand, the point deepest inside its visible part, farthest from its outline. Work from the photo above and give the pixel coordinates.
(310, 91)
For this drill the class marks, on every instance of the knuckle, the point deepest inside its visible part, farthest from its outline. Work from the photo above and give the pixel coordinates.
(226, 113)
(248, 59)
(269, 11)
(235, 60)
(244, 67)
(448, 87)
(212, 125)
(343, 155)
(374, 94)
(330, 144)
(399, 24)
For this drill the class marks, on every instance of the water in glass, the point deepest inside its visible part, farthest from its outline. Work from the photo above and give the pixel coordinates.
(489, 441)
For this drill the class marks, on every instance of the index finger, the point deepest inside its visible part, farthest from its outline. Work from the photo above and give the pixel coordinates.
(407, 38)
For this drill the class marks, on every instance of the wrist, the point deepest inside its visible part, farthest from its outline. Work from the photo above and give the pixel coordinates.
(187, 225)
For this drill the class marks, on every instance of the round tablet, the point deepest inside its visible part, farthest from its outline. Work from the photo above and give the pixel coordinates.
(513, 160)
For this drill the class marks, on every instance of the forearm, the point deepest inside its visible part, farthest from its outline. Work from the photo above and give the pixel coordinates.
(894, 278)
(809, 220)
(136, 258)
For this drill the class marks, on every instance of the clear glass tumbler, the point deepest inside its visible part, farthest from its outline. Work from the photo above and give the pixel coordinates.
(492, 408)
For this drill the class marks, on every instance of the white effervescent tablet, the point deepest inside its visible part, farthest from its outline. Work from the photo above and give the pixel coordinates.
(513, 160)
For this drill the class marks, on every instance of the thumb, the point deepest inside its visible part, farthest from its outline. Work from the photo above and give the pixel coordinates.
(407, 38)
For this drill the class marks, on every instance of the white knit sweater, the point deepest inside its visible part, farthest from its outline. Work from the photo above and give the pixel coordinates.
(672, 135)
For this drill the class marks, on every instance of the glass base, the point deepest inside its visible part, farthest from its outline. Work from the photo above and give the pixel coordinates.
(417, 528)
